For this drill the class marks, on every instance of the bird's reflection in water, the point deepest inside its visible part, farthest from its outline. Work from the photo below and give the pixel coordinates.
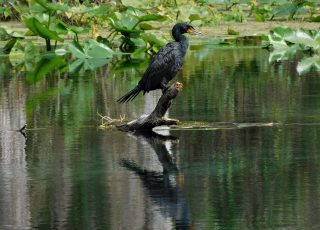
(162, 187)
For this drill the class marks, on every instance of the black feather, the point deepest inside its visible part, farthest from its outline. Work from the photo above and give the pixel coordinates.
(131, 95)
(164, 65)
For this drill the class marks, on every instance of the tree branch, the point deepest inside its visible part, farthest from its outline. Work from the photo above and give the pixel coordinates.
(156, 118)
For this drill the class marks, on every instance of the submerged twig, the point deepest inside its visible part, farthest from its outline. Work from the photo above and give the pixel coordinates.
(23, 130)
(107, 122)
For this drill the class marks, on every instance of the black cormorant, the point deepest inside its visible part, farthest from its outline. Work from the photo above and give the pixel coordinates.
(165, 64)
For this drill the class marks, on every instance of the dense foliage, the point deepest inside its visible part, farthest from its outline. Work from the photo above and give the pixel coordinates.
(202, 11)
(123, 26)
(60, 25)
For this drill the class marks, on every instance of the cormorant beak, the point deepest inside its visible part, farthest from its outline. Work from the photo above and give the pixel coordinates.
(193, 31)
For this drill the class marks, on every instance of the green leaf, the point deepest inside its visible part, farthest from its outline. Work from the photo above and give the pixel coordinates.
(260, 17)
(16, 34)
(17, 55)
(45, 32)
(286, 9)
(232, 31)
(52, 6)
(23, 53)
(153, 40)
(134, 11)
(194, 17)
(87, 64)
(30, 24)
(124, 25)
(283, 53)
(315, 19)
(281, 32)
(30, 51)
(152, 17)
(98, 50)
(60, 52)
(91, 49)
(131, 64)
(76, 50)
(138, 42)
(306, 64)
(303, 38)
(95, 63)
(94, 11)
(8, 47)
(60, 27)
(6, 34)
(45, 66)
(76, 65)
(77, 29)
(145, 26)
(37, 28)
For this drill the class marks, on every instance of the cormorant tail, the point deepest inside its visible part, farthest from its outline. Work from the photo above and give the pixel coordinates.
(131, 95)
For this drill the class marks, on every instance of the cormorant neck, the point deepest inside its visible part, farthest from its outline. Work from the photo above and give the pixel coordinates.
(183, 41)
(178, 36)
(184, 45)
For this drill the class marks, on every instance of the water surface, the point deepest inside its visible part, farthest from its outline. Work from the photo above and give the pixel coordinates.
(68, 174)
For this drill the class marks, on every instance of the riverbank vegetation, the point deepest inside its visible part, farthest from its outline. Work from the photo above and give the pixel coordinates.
(88, 34)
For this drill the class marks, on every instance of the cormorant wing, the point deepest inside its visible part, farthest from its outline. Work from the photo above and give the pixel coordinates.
(163, 67)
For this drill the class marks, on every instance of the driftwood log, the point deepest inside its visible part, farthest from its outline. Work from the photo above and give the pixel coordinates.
(156, 118)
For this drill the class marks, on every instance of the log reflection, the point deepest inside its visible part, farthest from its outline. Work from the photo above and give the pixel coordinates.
(167, 198)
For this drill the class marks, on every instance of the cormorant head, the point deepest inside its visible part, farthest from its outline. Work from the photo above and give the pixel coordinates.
(184, 27)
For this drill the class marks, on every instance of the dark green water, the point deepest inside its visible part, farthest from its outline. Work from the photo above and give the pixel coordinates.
(68, 174)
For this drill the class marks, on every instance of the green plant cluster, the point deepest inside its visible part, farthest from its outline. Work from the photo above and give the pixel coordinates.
(202, 11)
(59, 26)
(287, 42)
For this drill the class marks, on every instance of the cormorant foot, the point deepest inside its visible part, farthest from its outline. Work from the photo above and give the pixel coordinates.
(164, 89)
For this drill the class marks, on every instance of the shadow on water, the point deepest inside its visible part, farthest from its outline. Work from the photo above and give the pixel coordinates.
(162, 187)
